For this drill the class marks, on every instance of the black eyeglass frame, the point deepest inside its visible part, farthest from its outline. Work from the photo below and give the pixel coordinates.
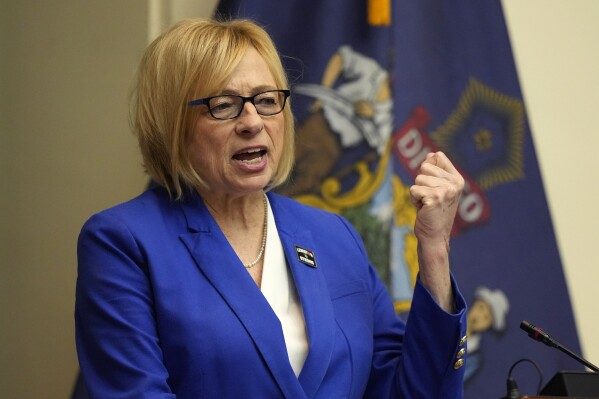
(206, 102)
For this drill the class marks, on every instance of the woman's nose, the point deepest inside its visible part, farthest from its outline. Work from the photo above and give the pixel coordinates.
(249, 121)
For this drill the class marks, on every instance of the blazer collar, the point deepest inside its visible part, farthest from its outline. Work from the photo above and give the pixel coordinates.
(227, 274)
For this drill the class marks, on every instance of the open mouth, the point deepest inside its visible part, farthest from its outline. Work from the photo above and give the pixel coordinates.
(250, 156)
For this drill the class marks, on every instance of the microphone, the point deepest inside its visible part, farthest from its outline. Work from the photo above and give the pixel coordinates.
(539, 335)
(513, 392)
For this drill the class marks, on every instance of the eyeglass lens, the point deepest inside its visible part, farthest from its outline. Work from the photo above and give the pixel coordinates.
(230, 106)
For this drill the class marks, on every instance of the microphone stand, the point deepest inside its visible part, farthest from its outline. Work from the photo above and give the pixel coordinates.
(539, 335)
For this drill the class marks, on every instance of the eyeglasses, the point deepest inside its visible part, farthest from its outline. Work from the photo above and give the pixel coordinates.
(228, 106)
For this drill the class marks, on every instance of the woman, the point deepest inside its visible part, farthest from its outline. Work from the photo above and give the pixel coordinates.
(210, 285)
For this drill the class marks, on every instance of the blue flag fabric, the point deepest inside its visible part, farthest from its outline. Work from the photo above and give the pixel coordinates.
(370, 102)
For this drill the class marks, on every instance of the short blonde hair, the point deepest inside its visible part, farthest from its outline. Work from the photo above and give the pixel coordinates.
(194, 59)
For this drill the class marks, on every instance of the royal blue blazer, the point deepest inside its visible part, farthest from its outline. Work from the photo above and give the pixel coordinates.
(165, 309)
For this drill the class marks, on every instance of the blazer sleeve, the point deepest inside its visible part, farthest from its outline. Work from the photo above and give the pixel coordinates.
(116, 338)
(416, 359)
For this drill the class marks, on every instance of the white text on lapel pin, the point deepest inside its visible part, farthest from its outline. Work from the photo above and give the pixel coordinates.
(305, 256)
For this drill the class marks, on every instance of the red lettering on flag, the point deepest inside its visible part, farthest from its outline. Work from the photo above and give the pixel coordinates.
(411, 144)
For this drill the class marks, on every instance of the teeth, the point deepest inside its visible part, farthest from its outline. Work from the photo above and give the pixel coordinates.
(251, 156)
(253, 161)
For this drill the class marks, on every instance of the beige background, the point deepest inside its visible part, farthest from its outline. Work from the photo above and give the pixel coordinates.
(66, 67)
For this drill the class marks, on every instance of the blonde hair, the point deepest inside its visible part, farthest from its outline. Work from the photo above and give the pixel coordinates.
(194, 59)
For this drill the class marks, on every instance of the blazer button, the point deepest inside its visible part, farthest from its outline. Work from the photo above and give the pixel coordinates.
(463, 340)
(460, 353)
(458, 364)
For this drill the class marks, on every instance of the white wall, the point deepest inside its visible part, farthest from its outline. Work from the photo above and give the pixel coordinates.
(66, 67)
(556, 46)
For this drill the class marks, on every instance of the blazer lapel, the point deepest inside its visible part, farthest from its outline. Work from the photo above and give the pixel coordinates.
(314, 295)
(217, 260)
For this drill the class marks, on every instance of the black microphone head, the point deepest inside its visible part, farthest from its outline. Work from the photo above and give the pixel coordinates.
(526, 326)
(513, 392)
(536, 333)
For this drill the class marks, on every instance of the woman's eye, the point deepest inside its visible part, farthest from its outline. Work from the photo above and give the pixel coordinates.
(268, 100)
(222, 104)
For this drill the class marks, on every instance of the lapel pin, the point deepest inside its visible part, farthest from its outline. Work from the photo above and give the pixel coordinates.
(305, 256)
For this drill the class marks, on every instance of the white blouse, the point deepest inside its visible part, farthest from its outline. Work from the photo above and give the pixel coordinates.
(279, 290)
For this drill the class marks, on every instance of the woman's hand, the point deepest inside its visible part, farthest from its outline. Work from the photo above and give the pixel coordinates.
(436, 194)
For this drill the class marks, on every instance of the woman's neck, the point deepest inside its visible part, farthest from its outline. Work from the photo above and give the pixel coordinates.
(240, 212)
